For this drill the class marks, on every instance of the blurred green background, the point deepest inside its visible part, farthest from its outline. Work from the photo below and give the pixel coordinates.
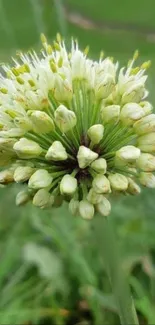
(51, 270)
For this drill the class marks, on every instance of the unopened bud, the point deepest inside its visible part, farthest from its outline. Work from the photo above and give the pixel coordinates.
(104, 207)
(86, 209)
(27, 149)
(42, 199)
(42, 122)
(128, 153)
(93, 197)
(105, 87)
(133, 188)
(134, 94)
(145, 125)
(85, 156)
(110, 113)
(147, 107)
(22, 198)
(65, 119)
(22, 174)
(147, 179)
(56, 152)
(131, 112)
(95, 133)
(6, 176)
(118, 182)
(99, 165)
(101, 184)
(146, 162)
(146, 142)
(40, 179)
(74, 207)
(68, 185)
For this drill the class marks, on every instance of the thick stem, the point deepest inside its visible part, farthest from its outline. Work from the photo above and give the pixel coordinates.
(120, 287)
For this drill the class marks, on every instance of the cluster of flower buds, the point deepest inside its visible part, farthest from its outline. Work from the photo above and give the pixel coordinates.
(75, 130)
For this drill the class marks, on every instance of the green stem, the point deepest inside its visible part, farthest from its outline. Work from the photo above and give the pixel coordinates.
(121, 290)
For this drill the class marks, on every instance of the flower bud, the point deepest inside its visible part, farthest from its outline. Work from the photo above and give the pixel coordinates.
(104, 207)
(40, 179)
(145, 125)
(133, 188)
(22, 174)
(42, 122)
(74, 207)
(146, 162)
(128, 153)
(27, 149)
(6, 176)
(65, 119)
(131, 112)
(95, 133)
(86, 209)
(147, 179)
(85, 156)
(146, 143)
(68, 185)
(134, 94)
(22, 198)
(23, 123)
(56, 152)
(118, 182)
(147, 107)
(110, 113)
(93, 197)
(42, 199)
(104, 88)
(99, 165)
(101, 184)
(6, 144)
(12, 133)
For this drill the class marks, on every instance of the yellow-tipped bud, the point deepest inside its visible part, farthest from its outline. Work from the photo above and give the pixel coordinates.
(85, 156)
(56, 152)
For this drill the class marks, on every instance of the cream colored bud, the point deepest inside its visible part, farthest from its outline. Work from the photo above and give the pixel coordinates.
(7, 144)
(56, 152)
(118, 182)
(93, 197)
(147, 179)
(133, 188)
(146, 162)
(23, 123)
(6, 176)
(134, 94)
(145, 125)
(110, 113)
(68, 185)
(13, 133)
(42, 122)
(147, 107)
(101, 184)
(42, 199)
(104, 207)
(86, 209)
(65, 119)
(146, 142)
(105, 87)
(74, 207)
(128, 153)
(40, 179)
(27, 149)
(22, 198)
(95, 133)
(130, 113)
(99, 165)
(22, 174)
(85, 156)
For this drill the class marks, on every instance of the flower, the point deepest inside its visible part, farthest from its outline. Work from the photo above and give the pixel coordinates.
(76, 130)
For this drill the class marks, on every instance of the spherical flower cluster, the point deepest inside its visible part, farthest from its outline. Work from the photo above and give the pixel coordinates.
(74, 129)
